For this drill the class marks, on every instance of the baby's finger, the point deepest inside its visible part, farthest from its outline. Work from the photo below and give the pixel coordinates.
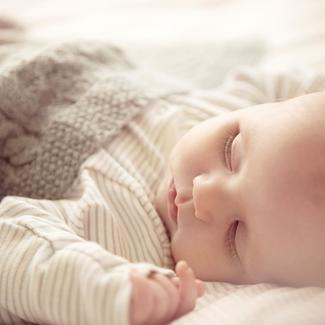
(187, 288)
(200, 286)
(175, 280)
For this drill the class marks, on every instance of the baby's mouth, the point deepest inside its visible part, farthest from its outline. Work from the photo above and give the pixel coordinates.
(172, 208)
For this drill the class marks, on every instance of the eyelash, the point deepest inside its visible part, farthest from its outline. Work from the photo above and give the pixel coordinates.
(230, 239)
(227, 147)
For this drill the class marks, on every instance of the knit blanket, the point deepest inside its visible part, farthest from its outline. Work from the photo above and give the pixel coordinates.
(58, 105)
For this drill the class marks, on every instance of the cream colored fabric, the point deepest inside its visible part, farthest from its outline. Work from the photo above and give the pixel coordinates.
(67, 261)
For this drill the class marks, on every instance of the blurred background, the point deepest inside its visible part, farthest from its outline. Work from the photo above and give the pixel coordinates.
(197, 41)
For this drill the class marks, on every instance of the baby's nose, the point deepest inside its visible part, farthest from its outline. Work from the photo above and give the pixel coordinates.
(210, 197)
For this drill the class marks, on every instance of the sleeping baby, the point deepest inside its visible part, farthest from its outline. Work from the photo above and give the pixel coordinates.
(243, 199)
(227, 184)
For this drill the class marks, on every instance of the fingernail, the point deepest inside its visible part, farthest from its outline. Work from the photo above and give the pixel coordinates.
(182, 264)
(185, 263)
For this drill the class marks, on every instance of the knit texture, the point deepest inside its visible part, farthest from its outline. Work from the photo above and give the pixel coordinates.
(58, 106)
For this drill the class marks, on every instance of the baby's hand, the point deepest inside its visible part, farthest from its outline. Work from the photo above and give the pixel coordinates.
(159, 299)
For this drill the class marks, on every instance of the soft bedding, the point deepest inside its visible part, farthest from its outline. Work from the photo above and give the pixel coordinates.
(258, 304)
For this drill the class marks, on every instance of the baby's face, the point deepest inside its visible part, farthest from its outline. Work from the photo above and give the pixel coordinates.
(249, 189)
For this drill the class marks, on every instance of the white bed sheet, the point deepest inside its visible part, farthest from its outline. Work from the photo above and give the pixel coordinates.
(258, 304)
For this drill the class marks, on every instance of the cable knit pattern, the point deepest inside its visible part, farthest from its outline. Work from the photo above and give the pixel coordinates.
(58, 106)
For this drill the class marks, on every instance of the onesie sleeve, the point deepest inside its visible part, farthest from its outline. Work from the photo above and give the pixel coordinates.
(49, 275)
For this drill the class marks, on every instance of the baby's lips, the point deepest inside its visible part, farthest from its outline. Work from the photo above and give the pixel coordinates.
(172, 208)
